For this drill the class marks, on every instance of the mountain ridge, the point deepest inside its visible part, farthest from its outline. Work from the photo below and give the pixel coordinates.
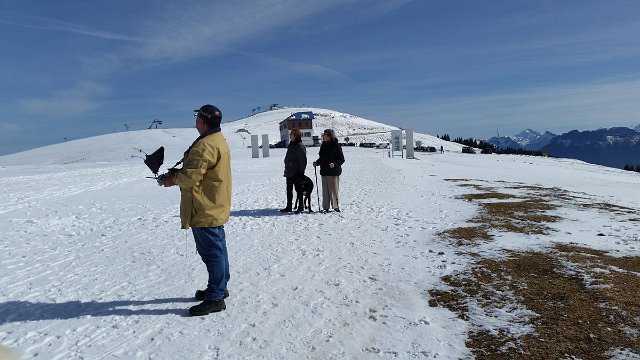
(614, 147)
(527, 139)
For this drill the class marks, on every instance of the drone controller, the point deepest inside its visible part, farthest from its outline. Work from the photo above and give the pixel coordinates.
(160, 178)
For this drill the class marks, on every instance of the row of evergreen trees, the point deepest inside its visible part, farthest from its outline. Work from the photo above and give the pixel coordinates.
(481, 144)
(632, 168)
(519, 151)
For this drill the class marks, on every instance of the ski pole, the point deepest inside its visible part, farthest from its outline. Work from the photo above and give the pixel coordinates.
(335, 190)
(317, 193)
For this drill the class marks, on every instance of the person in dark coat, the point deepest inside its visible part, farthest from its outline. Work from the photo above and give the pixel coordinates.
(295, 162)
(330, 161)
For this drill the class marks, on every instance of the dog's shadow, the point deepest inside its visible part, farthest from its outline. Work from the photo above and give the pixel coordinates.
(20, 311)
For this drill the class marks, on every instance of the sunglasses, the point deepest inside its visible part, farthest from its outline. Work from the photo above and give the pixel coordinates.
(201, 114)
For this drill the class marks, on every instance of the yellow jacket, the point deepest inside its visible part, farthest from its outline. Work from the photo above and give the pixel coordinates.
(205, 183)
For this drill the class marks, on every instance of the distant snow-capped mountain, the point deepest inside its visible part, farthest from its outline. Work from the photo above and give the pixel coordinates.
(637, 128)
(613, 147)
(528, 139)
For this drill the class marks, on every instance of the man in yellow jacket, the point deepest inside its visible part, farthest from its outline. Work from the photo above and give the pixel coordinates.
(205, 203)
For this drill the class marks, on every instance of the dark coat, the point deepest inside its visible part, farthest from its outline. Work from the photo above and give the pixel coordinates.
(330, 152)
(295, 161)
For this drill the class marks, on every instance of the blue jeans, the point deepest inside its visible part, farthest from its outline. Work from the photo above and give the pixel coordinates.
(212, 247)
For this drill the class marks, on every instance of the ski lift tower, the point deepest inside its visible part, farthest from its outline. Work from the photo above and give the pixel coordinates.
(155, 122)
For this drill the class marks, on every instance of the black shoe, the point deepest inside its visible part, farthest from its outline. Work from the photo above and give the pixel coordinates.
(336, 210)
(207, 307)
(287, 209)
(201, 293)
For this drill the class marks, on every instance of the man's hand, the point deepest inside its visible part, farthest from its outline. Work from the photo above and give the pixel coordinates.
(168, 181)
(332, 165)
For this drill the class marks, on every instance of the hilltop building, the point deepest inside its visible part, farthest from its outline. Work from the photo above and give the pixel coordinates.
(302, 120)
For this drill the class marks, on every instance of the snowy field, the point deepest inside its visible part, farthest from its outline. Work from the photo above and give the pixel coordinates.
(94, 264)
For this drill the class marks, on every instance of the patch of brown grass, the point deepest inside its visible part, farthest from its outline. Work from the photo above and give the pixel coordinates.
(457, 180)
(528, 187)
(467, 235)
(489, 194)
(477, 187)
(575, 318)
(621, 279)
(527, 215)
(612, 208)
(523, 214)
(586, 302)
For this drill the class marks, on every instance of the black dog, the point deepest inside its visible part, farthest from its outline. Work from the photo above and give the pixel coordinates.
(304, 189)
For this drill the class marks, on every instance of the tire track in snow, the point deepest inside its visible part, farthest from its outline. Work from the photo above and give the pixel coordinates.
(66, 185)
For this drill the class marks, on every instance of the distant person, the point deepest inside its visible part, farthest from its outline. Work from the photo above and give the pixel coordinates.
(205, 203)
(441, 150)
(330, 161)
(295, 162)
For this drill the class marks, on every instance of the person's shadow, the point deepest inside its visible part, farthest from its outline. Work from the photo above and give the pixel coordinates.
(18, 311)
(258, 213)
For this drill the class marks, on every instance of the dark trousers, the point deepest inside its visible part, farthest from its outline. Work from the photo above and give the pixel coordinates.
(292, 182)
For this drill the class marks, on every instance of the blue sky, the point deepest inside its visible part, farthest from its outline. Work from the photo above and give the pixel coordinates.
(77, 68)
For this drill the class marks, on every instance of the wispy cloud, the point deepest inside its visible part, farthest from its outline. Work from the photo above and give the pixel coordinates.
(43, 23)
(11, 127)
(385, 7)
(102, 64)
(559, 108)
(305, 68)
(172, 33)
(178, 32)
(63, 103)
(617, 41)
